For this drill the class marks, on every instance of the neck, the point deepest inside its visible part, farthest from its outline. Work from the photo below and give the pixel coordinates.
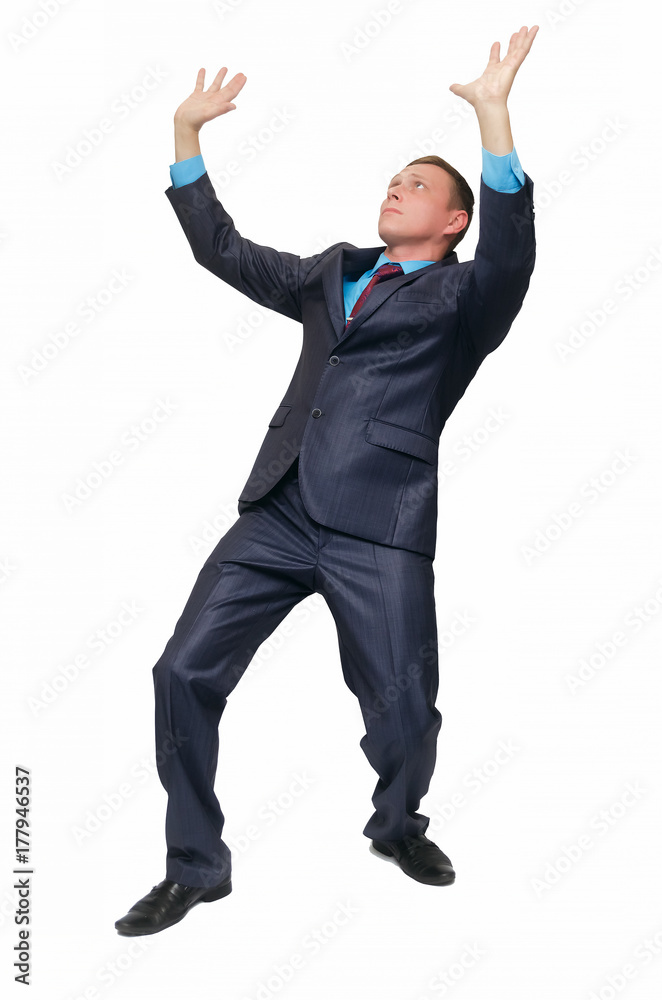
(400, 252)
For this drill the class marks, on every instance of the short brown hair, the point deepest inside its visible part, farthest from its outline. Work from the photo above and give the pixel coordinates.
(461, 195)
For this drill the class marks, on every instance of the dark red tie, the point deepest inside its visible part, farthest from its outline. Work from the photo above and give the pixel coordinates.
(385, 271)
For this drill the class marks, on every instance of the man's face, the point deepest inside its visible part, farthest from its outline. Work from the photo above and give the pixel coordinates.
(415, 209)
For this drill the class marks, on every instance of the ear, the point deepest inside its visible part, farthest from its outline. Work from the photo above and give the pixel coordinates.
(461, 221)
(458, 224)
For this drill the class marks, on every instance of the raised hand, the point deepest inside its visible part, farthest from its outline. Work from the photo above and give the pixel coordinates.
(203, 105)
(494, 85)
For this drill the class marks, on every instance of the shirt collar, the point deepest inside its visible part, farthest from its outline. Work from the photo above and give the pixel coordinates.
(406, 265)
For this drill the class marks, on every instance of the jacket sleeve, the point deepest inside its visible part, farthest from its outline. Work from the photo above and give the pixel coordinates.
(492, 290)
(270, 277)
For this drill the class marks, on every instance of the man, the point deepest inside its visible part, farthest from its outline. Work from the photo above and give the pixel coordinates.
(342, 497)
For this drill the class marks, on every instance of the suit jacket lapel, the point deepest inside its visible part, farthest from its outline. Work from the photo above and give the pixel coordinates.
(355, 262)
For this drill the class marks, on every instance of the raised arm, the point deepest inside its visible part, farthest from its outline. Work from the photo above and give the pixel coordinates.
(488, 93)
(270, 277)
(493, 289)
(200, 107)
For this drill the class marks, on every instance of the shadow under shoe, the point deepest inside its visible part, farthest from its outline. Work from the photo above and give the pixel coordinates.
(166, 904)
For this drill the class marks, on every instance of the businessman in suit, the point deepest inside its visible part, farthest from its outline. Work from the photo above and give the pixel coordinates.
(342, 497)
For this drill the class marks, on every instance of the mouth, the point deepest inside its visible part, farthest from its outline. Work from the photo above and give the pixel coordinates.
(392, 210)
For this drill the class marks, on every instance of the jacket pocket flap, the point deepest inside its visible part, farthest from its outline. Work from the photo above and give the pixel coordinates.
(279, 416)
(399, 438)
(413, 294)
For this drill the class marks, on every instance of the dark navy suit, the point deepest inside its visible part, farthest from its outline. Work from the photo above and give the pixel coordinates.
(341, 500)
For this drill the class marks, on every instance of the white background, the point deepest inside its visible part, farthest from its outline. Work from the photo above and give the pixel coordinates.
(530, 914)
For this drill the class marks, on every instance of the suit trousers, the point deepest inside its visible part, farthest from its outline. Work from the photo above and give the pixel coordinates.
(383, 605)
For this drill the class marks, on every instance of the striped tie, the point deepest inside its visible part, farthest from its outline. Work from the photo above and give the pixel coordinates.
(385, 271)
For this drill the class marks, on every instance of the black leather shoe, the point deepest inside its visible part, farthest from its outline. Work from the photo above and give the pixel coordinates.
(166, 904)
(418, 857)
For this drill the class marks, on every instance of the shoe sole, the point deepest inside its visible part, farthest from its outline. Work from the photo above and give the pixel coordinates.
(221, 890)
(443, 879)
(218, 893)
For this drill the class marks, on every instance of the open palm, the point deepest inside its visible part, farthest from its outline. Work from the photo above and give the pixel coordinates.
(203, 105)
(494, 85)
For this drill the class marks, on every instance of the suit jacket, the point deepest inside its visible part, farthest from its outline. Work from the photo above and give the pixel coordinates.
(365, 406)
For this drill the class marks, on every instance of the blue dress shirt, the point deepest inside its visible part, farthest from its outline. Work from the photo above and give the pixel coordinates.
(502, 173)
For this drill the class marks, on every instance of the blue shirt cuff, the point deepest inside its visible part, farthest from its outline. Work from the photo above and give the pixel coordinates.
(186, 171)
(502, 173)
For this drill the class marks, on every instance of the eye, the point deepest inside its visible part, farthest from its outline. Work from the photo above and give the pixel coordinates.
(421, 183)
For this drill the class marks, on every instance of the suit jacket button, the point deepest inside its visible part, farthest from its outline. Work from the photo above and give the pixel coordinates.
(333, 360)
(316, 413)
